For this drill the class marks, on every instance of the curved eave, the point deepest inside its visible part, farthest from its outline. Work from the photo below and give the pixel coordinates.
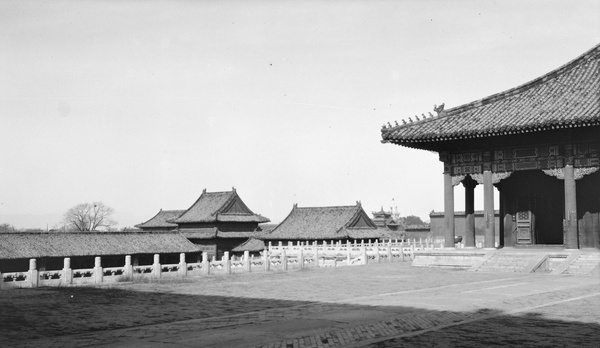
(433, 142)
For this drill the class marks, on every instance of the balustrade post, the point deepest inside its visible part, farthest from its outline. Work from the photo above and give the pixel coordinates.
(365, 257)
(389, 251)
(284, 260)
(270, 245)
(182, 265)
(247, 262)
(227, 261)
(128, 267)
(156, 266)
(280, 245)
(1, 281)
(301, 258)
(266, 261)
(33, 274)
(98, 272)
(205, 263)
(412, 252)
(316, 257)
(348, 255)
(401, 251)
(67, 278)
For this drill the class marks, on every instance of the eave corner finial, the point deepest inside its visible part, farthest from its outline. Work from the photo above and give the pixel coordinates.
(358, 204)
(204, 190)
(232, 188)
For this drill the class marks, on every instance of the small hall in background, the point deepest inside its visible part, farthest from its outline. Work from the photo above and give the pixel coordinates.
(217, 222)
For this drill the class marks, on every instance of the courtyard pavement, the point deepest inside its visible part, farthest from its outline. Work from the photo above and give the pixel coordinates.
(377, 305)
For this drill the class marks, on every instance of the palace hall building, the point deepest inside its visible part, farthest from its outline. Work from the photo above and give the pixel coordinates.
(538, 144)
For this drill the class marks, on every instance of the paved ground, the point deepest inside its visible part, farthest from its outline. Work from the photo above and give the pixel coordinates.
(385, 305)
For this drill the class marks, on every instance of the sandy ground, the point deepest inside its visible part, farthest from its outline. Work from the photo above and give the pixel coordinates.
(385, 305)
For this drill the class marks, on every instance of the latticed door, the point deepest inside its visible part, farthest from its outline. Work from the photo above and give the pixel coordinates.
(525, 228)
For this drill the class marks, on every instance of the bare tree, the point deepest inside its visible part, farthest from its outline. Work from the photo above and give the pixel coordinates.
(89, 217)
(7, 228)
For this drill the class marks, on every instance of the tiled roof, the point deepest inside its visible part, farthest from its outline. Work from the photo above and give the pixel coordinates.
(251, 245)
(368, 233)
(213, 206)
(160, 220)
(564, 98)
(199, 233)
(267, 227)
(241, 218)
(238, 234)
(67, 244)
(309, 223)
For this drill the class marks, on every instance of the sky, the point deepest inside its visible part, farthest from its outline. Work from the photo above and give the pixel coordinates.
(143, 104)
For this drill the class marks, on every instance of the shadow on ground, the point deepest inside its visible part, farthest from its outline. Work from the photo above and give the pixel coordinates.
(528, 330)
(45, 313)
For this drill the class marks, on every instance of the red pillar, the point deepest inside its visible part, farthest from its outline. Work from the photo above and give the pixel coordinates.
(448, 211)
(571, 237)
(469, 212)
(488, 209)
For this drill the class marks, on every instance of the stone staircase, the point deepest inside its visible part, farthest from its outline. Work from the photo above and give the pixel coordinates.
(586, 263)
(555, 260)
(516, 262)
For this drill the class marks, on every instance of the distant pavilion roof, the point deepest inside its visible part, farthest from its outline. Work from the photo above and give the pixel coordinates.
(70, 244)
(567, 97)
(310, 223)
(160, 220)
(251, 245)
(219, 206)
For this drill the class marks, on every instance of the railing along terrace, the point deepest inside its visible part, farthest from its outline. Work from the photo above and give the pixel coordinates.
(275, 258)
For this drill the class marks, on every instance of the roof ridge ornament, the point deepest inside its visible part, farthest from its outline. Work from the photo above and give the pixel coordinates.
(440, 109)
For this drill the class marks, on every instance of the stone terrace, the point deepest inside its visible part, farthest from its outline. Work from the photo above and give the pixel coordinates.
(377, 305)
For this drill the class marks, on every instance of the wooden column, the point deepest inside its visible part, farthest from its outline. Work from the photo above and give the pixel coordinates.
(571, 238)
(448, 211)
(469, 185)
(488, 209)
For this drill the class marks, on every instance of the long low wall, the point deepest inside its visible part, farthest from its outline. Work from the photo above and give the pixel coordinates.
(276, 258)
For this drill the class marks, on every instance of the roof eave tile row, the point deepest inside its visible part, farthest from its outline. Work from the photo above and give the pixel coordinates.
(488, 134)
